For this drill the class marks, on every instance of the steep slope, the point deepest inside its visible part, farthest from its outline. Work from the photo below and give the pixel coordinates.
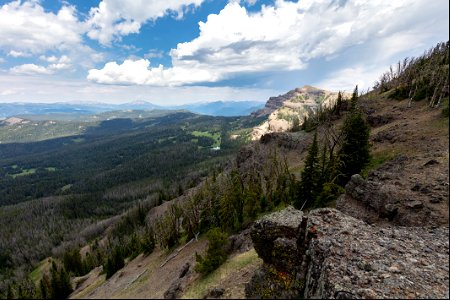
(409, 172)
(408, 182)
(297, 104)
(389, 237)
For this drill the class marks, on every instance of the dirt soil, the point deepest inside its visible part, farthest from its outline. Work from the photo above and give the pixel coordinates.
(415, 142)
(143, 277)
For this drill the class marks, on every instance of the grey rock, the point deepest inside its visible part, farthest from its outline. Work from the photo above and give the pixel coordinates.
(415, 204)
(431, 162)
(365, 262)
(184, 270)
(174, 291)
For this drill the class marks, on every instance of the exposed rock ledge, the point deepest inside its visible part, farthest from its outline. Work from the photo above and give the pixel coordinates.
(328, 254)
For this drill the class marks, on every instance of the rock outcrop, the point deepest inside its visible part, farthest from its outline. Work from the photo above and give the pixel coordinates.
(296, 104)
(376, 200)
(328, 254)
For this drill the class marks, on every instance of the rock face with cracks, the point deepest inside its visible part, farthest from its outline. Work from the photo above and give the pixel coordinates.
(327, 254)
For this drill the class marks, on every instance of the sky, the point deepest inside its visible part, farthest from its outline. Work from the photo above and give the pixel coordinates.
(172, 52)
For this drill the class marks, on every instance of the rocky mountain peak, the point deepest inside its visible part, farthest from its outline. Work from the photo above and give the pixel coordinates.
(295, 104)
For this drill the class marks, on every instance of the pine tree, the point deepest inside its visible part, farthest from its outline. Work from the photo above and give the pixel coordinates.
(10, 294)
(148, 242)
(115, 262)
(354, 100)
(45, 287)
(338, 104)
(215, 254)
(354, 152)
(61, 287)
(310, 177)
(66, 286)
(73, 262)
(236, 194)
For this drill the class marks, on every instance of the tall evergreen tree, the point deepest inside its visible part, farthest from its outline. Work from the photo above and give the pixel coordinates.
(354, 153)
(61, 287)
(354, 100)
(310, 177)
(10, 294)
(338, 104)
(45, 286)
(215, 254)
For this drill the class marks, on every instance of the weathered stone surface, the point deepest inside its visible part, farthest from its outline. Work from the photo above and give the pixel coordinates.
(174, 291)
(275, 239)
(373, 195)
(275, 236)
(344, 258)
(241, 242)
(178, 286)
(184, 270)
(415, 205)
(378, 200)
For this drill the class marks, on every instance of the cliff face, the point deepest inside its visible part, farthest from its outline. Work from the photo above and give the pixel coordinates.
(296, 104)
(327, 254)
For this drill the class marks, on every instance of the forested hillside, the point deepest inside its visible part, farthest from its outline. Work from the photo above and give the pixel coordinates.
(147, 194)
(54, 192)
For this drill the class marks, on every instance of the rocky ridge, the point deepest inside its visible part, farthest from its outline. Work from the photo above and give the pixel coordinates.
(297, 103)
(328, 254)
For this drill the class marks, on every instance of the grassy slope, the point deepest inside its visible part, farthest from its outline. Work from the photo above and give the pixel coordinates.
(231, 276)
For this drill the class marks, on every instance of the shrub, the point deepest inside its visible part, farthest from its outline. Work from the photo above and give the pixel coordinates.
(330, 192)
(215, 254)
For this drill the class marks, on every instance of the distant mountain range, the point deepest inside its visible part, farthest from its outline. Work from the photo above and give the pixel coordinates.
(218, 108)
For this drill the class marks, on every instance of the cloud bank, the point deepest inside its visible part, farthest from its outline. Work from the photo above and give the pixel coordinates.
(282, 37)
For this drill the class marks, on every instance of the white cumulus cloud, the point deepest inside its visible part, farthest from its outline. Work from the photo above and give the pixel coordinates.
(57, 64)
(14, 53)
(283, 37)
(25, 27)
(30, 69)
(115, 18)
(139, 72)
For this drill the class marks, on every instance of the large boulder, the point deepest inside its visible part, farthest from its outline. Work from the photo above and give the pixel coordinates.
(337, 256)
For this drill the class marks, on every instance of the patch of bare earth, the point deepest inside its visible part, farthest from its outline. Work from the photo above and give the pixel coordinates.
(415, 141)
(145, 277)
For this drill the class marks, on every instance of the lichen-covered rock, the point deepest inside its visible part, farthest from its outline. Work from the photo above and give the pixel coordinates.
(341, 257)
(274, 236)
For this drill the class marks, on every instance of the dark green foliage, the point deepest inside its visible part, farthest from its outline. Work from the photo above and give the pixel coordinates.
(45, 287)
(110, 157)
(338, 107)
(354, 153)
(310, 177)
(232, 203)
(61, 286)
(215, 254)
(11, 293)
(330, 192)
(115, 262)
(445, 109)
(73, 262)
(354, 99)
(148, 242)
(324, 115)
(400, 93)
(5, 259)
(296, 125)
(425, 77)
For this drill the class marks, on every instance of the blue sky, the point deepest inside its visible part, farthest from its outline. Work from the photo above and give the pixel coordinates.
(178, 51)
